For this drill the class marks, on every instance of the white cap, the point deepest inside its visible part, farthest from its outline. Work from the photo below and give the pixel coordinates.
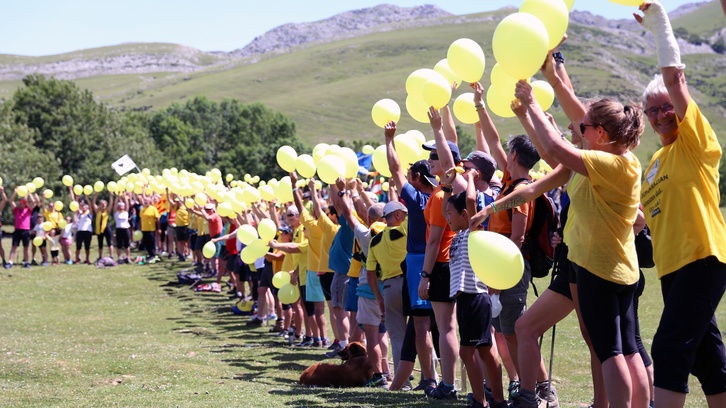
(393, 206)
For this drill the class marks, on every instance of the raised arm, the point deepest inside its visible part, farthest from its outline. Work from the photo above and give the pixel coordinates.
(361, 201)
(4, 199)
(397, 176)
(94, 207)
(317, 209)
(481, 142)
(446, 158)
(655, 19)
(345, 208)
(489, 131)
(449, 125)
(12, 198)
(296, 194)
(521, 112)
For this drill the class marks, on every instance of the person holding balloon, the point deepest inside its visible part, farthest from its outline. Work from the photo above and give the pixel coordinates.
(101, 226)
(123, 226)
(680, 196)
(22, 214)
(84, 231)
(39, 233)
(66, 239)
(54, 238)
(149, 216)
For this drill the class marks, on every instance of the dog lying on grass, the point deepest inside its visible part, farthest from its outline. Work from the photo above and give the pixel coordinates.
(355, 371)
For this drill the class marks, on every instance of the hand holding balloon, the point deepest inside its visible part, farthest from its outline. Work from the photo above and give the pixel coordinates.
(523, 92)
(478, 92)
(435, 119)
(390, 130)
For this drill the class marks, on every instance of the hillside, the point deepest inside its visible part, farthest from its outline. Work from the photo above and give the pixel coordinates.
(328, 84)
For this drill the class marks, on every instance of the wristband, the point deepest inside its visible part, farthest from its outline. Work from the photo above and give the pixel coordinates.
(478, 106)
(558, 57)
(447, 189)
(341, 193)
(494, 207)
(354, 196)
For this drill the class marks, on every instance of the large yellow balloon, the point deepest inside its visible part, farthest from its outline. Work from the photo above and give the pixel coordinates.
(385, 111)
(569, 4)
(553, 14)
(305, 165)
(38, 241)
(22, 191)
(87, 189)
(284, 190)
(247, 255)
(367, 149)
(31, 187)
(635, 3)
(380, 162)
(417, 136)
(443, 68)
(286, 157)
(466, 59)
(319, 151)
(495, 259)
(73, 206)
(258, 247)
(201, 199)
(280, 279)
(330, 168)
(58, 205)
(67, 180)
(499, 101)
(38, 182)
(351, 161)
(246, 234)
(407, 149)
(501, 79)
(113, 187)
(417, 109)
(47, 193)
(189, 202)
(520, 44)
(437, 91)
(225, 209)
(544, 94)
(415, 82)
(267, 230)
(464, 109)
(288, 294)
(98, 186)
(209, 249)
(267, 193)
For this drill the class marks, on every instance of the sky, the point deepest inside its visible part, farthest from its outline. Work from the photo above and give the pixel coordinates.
(47, 27)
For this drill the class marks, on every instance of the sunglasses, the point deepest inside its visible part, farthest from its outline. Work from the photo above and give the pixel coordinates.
(584, 126)
(666, 108)
(433, 156)
(290, 215)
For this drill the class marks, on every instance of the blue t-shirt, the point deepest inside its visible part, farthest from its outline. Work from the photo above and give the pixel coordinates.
(341, 250)
(415, 202)
(483, 200)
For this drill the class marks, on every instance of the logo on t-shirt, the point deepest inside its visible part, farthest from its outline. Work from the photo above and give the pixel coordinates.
(652, 172)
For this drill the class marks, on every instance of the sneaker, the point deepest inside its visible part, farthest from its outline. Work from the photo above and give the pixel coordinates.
(513, 389)
(471, 402)
(333, 345)
(317, 344)
(69, 262)
(277, 328)
(34, 263)
(326, 343)
(441, 393)
(544, 398)
(272, 316)
(255, 322)
(8, 265)
(44, 263)
(425, 384)
(26, 265)
(524, 399)
(334, 351)
(306, 342)
(500, 404)
(378, 381)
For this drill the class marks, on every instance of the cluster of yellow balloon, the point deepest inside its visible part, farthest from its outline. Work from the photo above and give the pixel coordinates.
(327, 161)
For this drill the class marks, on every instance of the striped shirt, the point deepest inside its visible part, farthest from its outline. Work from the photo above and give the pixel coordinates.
(463, 278)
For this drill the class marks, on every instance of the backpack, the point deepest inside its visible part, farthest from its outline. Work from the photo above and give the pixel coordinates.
(644, 248)
(537, 247)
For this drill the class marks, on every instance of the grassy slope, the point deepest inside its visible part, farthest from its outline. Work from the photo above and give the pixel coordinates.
(705, 21)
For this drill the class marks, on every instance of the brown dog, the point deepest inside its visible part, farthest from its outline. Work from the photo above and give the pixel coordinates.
(355, 370)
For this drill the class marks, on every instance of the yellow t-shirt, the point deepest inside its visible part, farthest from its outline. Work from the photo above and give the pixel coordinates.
(329, 229)
(355, 265)
(53, 217)
(182, 216)
(603, 208)
(680, 197)
(315, 238)
(101, 222)
(388, 249)
(149, 216)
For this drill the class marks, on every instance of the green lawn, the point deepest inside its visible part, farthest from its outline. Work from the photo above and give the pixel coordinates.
(130, 336)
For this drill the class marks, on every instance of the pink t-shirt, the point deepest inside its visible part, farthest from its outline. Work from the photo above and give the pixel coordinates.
(22, 218)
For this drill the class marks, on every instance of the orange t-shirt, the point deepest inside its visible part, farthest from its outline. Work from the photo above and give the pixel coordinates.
(500, 221)
(434, 215)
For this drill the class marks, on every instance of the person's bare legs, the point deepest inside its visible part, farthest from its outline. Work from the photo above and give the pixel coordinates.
(373, 347)
(503, 351)
(424, 346)
(493, 371)
(356, 333)
(320, 322)
(638, 379)
(444, 312)
(333, 321)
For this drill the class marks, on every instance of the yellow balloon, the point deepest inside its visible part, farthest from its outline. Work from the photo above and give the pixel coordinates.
(330, 168)
(246, 234)
(416, 81)
(544, 94)
(31, 187)
(417, 109)
(280, 279)
(229, 177)
(267, 230)
(385, 186)
(464, 109)
(267, 193)
(258, 247)
(225, 209)
(138, 235)
(58, 205)
(380, 162)
(385, 111)
(305, 165)
(38, 241)
(286, 157)
(319, 151)
(443, 68)
(137, 189)
(367, 149)
(189, 202)
(569, 4)
(73, 206)
(1, 181)
(500, 78)
(248, 256)
(62, 223)
(145, 171)
(407, 150)
(437, 91)
(22, 191)
(553, 14)
(288, 294)
(87, 190)
(113, 187)
(209, 249)
(628, 2)
(466, 59)
(495, 259)
(47, 193)
(284, 190)
(47, 226)
(38, 182)
(98, 186)
(216, 174)
(520, 44)
(351, 162)
(201, 199)
(499, 101)
(417, 136)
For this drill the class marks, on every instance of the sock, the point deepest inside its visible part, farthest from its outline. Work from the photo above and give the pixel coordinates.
(343, 343)
(447, 386)
(316, 338)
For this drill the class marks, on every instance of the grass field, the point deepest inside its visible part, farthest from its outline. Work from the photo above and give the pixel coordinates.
(131, 336)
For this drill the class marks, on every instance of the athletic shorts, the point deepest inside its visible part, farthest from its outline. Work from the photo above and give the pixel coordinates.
(107, 235)
(218, 246)
(474, 317)
(351, 295)
(266, 275)
(561, 282)
(21, 235)
(439, 283)
(326, 283)
(83, 239)
(314, 291)
(414, 266)
(338, 289)
(182, 233)
(201, 241)
(122, 238)
(369, 313)
(232, 263)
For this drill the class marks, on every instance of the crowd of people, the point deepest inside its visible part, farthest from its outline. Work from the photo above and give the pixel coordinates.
(397, 275)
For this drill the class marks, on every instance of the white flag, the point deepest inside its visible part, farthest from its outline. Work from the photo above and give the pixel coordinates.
(123, 165)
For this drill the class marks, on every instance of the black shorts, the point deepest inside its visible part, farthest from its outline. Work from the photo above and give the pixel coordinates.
(21, 235)
(326, 281)
(265, 276)
(439, 283)
(243, 271)
(107, 235)
(201, 241)
(122, 238)
(561, 282)
(474, 316)
(232, 263)
(54, 253)
(83, 239)
(309, 306)
(182, 233)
